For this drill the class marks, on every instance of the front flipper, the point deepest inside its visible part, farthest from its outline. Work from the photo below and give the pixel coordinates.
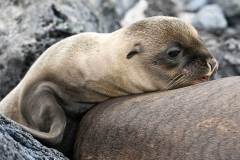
(44, 115)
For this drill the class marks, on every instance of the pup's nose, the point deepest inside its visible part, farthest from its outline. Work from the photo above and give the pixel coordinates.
(212, 65)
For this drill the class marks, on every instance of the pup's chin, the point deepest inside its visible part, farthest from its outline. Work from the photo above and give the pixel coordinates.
(193, 82)
(201, 80)
(196, 81)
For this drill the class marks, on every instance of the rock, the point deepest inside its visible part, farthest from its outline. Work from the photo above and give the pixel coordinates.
(16, 144)
(115, 7)
(211, 18)
(199, 122)
(162, 7)
(123, 6)
(194, 5)
(135, 14)
(188, 17)
(230, 7)
(28, 27)
(230, 59)
(106, 9)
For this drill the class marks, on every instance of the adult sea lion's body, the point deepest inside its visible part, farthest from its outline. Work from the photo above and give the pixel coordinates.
(155, 54)
(199, 122)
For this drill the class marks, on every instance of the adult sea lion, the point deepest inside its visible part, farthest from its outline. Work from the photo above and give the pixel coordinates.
(199, 122)
(155, 54)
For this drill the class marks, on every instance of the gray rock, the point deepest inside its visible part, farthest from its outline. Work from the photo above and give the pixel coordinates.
(106, 9)
(230, 7)
(194, 5)
(162, 7)
(136, 13)
(188, 17)
(211, 18)
(28, 27)
(124, 5)
(120, 7)
(230, 57)
(16, 144)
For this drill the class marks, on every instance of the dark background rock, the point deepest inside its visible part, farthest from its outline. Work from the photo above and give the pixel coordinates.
(16, 144)
(230, 7)
(28, 27)
(161, 7)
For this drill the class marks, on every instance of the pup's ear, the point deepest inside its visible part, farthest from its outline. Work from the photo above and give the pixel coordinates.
(137, 48)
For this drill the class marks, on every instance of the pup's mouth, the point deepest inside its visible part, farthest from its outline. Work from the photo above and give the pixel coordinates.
(205, 70)
(201, 79)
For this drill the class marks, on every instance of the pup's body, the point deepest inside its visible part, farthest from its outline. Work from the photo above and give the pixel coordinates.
(92, 67)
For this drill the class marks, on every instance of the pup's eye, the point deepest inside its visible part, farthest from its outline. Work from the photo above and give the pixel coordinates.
(174, 52)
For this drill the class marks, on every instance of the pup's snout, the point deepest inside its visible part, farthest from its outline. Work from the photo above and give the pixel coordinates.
(212, 65)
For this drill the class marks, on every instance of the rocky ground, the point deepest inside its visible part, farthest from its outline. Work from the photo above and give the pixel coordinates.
(28, 27)
(15, 144)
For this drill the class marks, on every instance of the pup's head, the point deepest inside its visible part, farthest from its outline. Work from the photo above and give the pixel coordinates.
(172, 49)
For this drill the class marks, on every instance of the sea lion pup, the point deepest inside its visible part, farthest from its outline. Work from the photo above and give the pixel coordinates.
(155, 54)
